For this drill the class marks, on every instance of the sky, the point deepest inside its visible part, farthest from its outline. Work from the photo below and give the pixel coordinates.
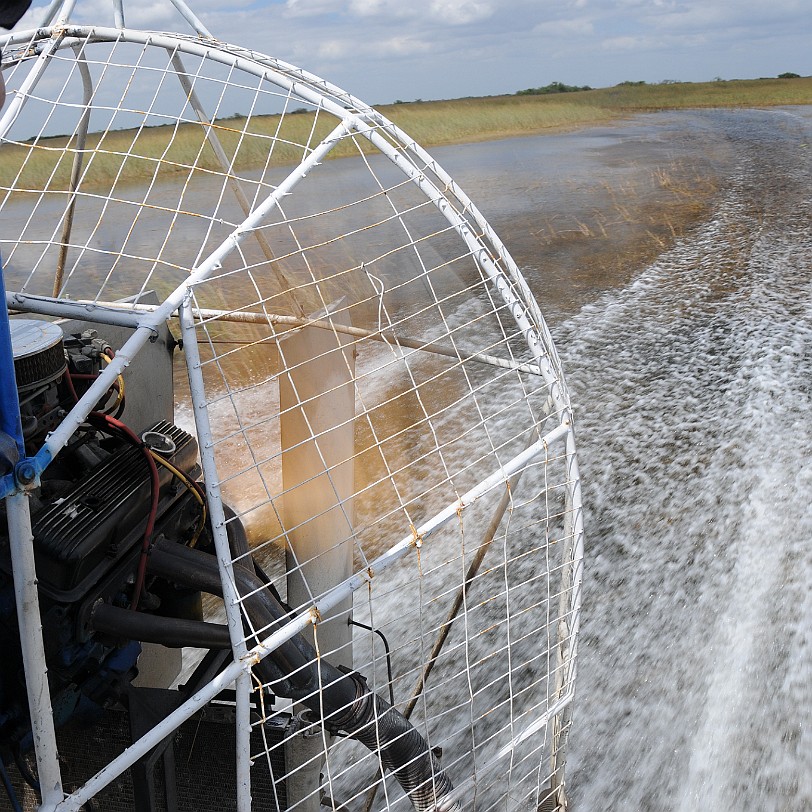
(385, 50)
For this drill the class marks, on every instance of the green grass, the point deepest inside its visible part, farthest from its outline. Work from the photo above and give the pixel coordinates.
(682, 95)
(141, 154)
(503, 116)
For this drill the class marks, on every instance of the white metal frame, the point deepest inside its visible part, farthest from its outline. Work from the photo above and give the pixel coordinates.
(354, 118)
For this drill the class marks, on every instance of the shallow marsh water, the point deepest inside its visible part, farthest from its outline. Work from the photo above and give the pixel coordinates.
(690, 367)
(671, 255)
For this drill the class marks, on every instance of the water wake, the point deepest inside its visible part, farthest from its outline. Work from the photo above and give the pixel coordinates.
(693, 387)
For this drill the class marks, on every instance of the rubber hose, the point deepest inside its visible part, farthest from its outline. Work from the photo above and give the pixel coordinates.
(171, 632)
(237, 540)
(296, 658)
(200, 571)
(345, 700)
(402, 750)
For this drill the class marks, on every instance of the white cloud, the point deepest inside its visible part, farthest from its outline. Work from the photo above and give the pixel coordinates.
(367, 8)
(629, 43)
(150, 15)
(334, 49)
(460, 12)
(311, 8)
(578, 27)
(402, 46)
(447, 12)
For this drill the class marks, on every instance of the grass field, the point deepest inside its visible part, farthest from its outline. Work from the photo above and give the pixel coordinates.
(123, 155)
(463, 120)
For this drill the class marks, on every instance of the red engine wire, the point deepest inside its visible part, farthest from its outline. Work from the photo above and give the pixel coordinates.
(116, 426)
(121, 428)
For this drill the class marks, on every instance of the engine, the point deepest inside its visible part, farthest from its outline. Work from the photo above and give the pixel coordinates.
(100, 506)
(123, 553)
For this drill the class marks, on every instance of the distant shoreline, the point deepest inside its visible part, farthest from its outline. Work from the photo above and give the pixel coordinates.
(127, 156)
(493, 117)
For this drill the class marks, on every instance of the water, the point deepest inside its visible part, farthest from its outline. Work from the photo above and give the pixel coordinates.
(689, 361)
(693, 388)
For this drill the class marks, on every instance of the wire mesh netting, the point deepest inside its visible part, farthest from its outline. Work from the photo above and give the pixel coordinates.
(382, 421)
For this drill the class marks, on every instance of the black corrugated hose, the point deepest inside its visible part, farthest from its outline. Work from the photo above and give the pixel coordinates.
(342, 700)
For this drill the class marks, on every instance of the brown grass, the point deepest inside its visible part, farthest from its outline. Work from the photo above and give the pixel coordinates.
(250, 143)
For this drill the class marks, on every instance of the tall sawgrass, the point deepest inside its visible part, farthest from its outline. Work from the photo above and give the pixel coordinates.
(681, 95)
(261, 140)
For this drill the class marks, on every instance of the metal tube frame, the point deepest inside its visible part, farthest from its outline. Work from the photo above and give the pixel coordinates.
(129, 315)
(26, 594)
(511, 287)
(78, 160)
(231, 596)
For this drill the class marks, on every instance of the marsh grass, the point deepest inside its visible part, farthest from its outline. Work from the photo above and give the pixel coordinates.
(627, 224)
(682, 95)
(154, 152)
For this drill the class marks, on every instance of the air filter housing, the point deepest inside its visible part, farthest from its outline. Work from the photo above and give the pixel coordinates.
(39, 353)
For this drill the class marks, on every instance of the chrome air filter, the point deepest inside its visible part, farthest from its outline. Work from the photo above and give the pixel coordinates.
(39, 354)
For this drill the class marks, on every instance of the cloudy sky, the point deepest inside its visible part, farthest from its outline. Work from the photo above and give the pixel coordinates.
(382, 50)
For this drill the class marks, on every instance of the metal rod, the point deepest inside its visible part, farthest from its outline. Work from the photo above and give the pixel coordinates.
(388, 655)
(63, 308)
(385, 336)
(233, 181)
(556, 709)
(569, 615)
(21, 546)
(231, 596)
(130, 315)
(243, 734)
(65, 11)
(21, 543)
(76, 169)
(192, 19)
(118, 13)
(50, 13)
(29, 83)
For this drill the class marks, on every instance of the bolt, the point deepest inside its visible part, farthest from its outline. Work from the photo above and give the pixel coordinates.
(25, 472)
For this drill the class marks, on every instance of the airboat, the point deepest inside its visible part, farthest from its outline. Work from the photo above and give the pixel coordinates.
(288, 462)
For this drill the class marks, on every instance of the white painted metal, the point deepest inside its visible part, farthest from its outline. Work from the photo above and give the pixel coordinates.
(36, 672)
